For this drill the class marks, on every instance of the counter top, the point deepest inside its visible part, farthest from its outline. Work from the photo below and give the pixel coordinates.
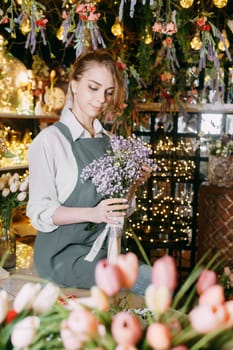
(25, 272)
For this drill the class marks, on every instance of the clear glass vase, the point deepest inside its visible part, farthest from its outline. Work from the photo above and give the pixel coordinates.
(7, 245)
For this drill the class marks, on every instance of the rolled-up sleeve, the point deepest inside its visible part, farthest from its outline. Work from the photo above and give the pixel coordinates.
(52, 176)
(43, 200)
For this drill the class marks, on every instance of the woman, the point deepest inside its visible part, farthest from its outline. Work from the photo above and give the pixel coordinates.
(69, 214)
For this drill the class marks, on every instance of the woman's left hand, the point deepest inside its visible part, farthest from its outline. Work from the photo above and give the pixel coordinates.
(144, 176)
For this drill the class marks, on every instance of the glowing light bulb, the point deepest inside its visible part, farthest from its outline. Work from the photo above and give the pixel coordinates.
(196, 42)
(186, 3)
(25, 25)
(221, 45)
(220, 3)
(60, 33)
(117, 29)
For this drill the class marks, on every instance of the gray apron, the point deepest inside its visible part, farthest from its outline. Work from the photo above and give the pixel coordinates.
(59, 255)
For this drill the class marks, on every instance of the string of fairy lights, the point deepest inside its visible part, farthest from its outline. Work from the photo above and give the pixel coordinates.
(165, 205)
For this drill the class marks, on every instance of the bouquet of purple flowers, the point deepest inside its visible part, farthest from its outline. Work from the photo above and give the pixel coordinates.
(115, 173)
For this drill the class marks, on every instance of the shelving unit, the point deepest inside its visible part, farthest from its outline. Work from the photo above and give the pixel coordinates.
(21, 124)
(168, 207)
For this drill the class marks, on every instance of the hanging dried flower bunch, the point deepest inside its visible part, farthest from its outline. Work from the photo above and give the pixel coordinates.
(29, 16)
(80, 25)
(208, 50)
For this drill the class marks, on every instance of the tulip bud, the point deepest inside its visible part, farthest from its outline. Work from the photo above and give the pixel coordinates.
(46, 298)
(158, 336)
(206, 279)
(71, 340)
(24, 332)
(26, 296)
(128, 264)
(3, 305)
(126, 328)
(205, 319)
(101, 300)
(158, 300)
(108, 277)
(164, 273)
(212, 296)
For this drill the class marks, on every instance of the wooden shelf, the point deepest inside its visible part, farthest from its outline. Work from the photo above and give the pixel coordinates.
(188, 107)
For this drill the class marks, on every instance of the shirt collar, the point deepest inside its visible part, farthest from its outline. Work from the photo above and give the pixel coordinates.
(76, 129)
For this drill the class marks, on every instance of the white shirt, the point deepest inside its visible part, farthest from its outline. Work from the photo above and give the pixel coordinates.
(53, 170)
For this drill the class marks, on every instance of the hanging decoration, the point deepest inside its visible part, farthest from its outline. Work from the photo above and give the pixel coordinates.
(152, 4)
(196, 41)
(220, 3)
(86, 32)
(186, 3)
(223, 45)
(168, 29)
(117, 29)
(31, 21)
(208, 50)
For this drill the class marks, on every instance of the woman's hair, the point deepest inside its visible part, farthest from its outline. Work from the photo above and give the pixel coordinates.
(101, 57)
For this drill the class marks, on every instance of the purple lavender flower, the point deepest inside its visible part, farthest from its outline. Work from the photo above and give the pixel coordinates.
(114, 173)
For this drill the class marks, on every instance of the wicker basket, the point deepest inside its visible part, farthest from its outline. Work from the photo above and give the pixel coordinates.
(220, 171)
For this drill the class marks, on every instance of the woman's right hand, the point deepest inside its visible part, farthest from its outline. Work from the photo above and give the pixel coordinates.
(108, 210)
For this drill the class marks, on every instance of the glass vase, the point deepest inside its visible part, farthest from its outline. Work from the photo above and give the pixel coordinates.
(7, 245)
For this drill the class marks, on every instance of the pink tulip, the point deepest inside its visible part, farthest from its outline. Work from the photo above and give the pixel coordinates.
(108, 277)
(3, 305)
(158, 300)
(206, 279)
(128, 264)
(126, 328)
(205, 318)
(164, 273)
(71, 340)
(83, 322)
(24, 332)
(212, 296)
(229, 310)
(180, 347)
(158, 336)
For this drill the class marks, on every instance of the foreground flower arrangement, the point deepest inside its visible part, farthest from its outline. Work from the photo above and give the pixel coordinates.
(195, 317)
(13, 194)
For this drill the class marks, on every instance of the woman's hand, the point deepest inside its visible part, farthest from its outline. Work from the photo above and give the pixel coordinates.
(144, 176)
(109, 209)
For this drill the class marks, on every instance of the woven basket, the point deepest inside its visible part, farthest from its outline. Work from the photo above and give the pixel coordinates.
(220, 171)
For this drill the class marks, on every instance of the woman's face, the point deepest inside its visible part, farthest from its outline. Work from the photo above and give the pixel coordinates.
(93, 92)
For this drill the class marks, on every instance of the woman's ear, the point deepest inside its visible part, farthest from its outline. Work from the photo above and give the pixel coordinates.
(74, 86)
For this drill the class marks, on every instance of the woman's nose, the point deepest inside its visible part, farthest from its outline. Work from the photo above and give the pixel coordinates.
(101, 96)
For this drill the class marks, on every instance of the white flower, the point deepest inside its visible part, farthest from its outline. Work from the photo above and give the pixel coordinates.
(24, 332)
(14, 186)
(25, 297)
(3, 305)
(46, 298)
(24, 185)
(5, 192)
(21, 196)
